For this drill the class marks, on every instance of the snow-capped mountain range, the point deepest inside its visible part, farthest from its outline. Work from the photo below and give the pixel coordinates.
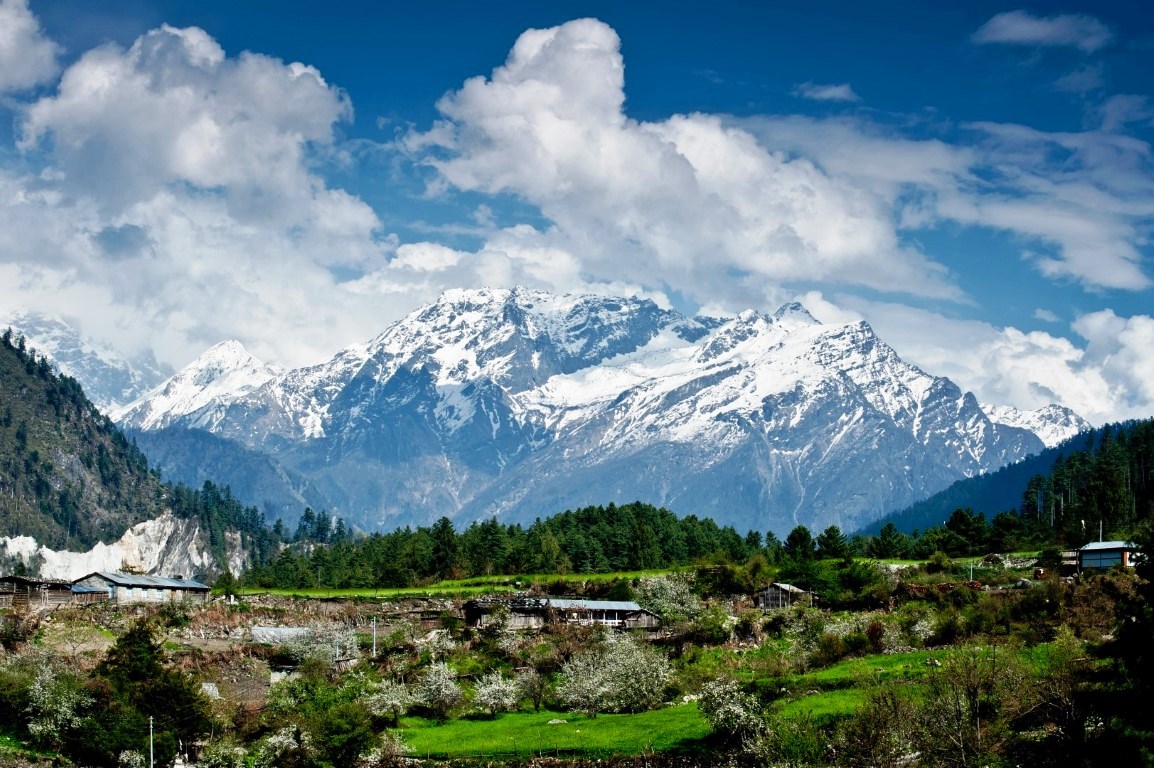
(520, 403)
(109, 379)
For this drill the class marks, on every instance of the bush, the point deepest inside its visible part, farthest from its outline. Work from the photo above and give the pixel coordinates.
(939, 562)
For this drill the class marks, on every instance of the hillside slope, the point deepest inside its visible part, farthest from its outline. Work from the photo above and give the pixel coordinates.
(68, 476)
(76, 494)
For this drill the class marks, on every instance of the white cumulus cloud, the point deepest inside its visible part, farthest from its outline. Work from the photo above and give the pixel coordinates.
(691, 199)
(27, 57)
(1023, 28)
(177, 203)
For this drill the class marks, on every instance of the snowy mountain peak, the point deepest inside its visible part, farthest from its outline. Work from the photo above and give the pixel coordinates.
(226, 359)
(200, 391)
(794, 315)
(520, 402)
(1052, 423)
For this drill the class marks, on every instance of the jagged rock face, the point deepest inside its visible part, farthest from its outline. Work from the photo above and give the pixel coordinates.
(521, 403)
(109, 379)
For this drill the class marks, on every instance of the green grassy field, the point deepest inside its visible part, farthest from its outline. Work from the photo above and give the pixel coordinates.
(869, 670)
(11, 749)
(457, 587)
(529, 733)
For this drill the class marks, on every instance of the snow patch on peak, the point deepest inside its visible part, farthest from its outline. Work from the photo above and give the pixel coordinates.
(109, 378)
(1053, 424)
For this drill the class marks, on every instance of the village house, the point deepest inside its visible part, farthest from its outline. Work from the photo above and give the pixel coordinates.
(123, 588)
(781, 596)
(1103, 555)
(28, 592)
(536, 612)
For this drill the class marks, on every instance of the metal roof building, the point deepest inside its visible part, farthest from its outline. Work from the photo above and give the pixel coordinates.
(1103, 555)
(535, 612)
(141, 588)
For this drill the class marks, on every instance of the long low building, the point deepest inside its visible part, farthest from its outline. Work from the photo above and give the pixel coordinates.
(122, 588)
(534, 612)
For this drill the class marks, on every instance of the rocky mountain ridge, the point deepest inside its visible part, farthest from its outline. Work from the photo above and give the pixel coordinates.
(520, 403)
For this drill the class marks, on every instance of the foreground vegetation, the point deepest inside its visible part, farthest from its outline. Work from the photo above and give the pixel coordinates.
(1046, 674)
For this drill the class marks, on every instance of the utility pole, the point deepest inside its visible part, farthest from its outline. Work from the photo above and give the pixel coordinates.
(374, 637)
(151, 759)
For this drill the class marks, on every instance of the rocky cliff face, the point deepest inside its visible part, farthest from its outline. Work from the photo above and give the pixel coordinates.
(520, 403)
(164, 546)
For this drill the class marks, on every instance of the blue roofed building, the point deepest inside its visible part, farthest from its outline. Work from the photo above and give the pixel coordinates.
(124, 588)
(1103, 555)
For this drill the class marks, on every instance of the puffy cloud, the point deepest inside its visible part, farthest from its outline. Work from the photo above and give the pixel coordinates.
(691, 201)
(27, 57)
(1108, 376)
(1022, 28)
(828, 92)
(1081, 201)
(178, 204)
(173, 109)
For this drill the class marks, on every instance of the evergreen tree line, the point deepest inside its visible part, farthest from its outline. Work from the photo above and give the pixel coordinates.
(598, 539)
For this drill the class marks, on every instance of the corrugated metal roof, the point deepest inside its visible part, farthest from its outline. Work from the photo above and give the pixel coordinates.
(276, 635)
(1096, 545)
(593, 605)
(83, 590)
(142, 580)
(33, 581)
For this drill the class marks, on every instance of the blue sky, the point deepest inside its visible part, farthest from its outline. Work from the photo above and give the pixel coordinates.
(974, 179)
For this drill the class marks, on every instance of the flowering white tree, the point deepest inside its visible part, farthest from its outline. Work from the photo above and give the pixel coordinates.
(670, 597)
(438, 689)
(54, 704)
(290, 746)
(388, 698)
(387, 754)
(730, 711)
(328, 645)
(130, 758)
(222, 755)
(496, 693)
(626, 677)
(582, 686)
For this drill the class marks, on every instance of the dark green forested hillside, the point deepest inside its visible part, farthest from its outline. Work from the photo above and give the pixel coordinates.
(1003, 490)
(70, 478)
(186, 456)
(1103, 474)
